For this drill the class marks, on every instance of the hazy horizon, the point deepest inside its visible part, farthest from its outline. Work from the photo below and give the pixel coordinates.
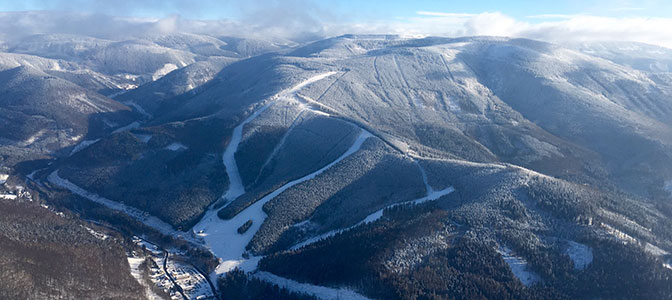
(298, 20)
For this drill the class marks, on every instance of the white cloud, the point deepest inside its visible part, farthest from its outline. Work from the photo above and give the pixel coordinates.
(591, 28)
(444, 14)
(552, 16)
(301, 22)
(552, 28)
(627, 9)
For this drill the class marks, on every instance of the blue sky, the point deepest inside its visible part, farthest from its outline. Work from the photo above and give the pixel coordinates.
(560, 21)
(353, 10)
(514, 8)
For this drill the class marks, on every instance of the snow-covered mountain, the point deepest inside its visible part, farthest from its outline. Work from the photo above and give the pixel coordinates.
(371, 166)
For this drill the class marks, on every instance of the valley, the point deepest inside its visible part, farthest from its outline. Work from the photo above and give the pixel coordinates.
(350, 167)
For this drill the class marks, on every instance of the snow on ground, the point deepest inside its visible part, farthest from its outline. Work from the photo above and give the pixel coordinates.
(518, 266)
(189, 279)
(315, 106)
(9, 192)
(432, 195)
(176, 147)
(626, 238)
(654, 250)
(236, 187)
(668, 264)
(320, 292)
(33, 138)
(617, 233)
(98, 235)
(83, 145)
(128, 127)
(134, 263)
(167, 68)
(193, 283)
(141, 216)
(580, 254)
(222, 236)
(668, 186)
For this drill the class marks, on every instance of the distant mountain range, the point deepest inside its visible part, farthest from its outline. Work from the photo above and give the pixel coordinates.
(354, 167)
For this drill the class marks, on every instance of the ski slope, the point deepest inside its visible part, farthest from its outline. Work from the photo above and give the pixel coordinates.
(518, 266)
(580, 254)
(222, 236)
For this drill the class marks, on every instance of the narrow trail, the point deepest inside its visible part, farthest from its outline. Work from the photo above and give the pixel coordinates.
(401, 73)
(430, 196)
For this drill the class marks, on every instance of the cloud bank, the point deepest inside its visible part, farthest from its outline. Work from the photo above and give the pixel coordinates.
(300, 20)
(552, 28)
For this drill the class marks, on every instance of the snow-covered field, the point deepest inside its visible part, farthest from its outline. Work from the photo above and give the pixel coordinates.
(321, 292)
(580, 254)
(135, 262)
(518, 266)
(668, 186)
